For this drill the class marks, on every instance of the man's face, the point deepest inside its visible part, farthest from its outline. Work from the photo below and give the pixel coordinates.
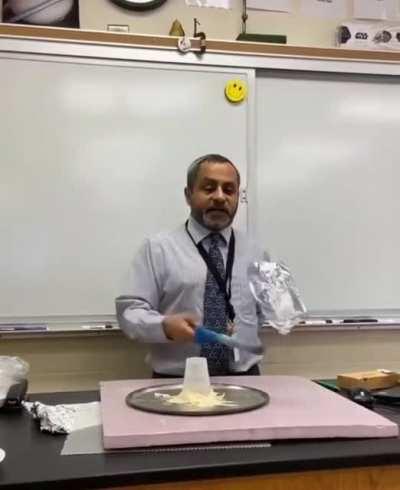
(215, 195)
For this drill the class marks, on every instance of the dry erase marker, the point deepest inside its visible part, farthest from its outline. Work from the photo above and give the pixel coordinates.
(23, 327)
(312, 322)
(96, 327)
(360, 320)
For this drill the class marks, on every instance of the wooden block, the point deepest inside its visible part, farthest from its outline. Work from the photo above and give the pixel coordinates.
(371, 380)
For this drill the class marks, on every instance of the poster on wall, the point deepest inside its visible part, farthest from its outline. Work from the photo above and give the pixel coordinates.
(56, 13)
(326, 9)
(271, 5)
(376, 9)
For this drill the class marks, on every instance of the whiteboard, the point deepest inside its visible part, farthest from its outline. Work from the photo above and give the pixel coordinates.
(328, 185)
(93, 159)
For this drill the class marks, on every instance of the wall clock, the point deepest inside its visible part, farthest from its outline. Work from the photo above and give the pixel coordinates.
(139, 4)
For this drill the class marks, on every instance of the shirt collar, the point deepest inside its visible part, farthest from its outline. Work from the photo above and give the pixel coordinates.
(199, 232)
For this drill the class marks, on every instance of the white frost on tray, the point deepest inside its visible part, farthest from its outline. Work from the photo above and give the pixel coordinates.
(196, 400)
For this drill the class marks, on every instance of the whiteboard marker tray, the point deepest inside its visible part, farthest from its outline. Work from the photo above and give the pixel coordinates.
(152, 399)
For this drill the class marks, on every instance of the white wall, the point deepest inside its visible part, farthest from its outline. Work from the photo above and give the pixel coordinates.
(216, 23)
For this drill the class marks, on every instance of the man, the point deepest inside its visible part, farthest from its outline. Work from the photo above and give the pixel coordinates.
(196, 275)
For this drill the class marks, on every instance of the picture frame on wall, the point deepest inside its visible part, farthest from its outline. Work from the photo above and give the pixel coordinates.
(55, 13)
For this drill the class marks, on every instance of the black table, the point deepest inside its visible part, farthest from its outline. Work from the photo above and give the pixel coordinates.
(33, 460)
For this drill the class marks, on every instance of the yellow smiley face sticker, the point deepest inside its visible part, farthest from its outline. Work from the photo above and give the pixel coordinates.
(236, 91)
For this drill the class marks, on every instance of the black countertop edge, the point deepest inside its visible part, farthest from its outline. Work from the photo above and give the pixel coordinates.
(165, 475)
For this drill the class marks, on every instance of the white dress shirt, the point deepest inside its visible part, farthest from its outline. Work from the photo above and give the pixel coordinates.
(168, 276)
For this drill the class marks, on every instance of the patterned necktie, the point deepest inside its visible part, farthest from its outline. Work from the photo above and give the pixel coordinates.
(215, 317)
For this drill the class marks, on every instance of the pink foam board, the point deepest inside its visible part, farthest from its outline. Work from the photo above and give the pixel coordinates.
(298, 409)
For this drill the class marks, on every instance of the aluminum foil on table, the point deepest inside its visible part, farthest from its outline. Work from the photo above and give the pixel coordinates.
(57, 419)
(273, 287)
(65, 418)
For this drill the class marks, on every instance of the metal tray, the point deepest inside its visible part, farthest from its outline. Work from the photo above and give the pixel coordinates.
(245, 399)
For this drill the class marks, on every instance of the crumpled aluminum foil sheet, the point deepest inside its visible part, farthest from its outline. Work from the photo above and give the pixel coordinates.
(57, 419)
(273, 287)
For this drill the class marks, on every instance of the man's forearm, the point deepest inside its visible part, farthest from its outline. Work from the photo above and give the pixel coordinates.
(139, 321)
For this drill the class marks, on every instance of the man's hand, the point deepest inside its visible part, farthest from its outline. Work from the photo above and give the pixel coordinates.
(180, 327)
